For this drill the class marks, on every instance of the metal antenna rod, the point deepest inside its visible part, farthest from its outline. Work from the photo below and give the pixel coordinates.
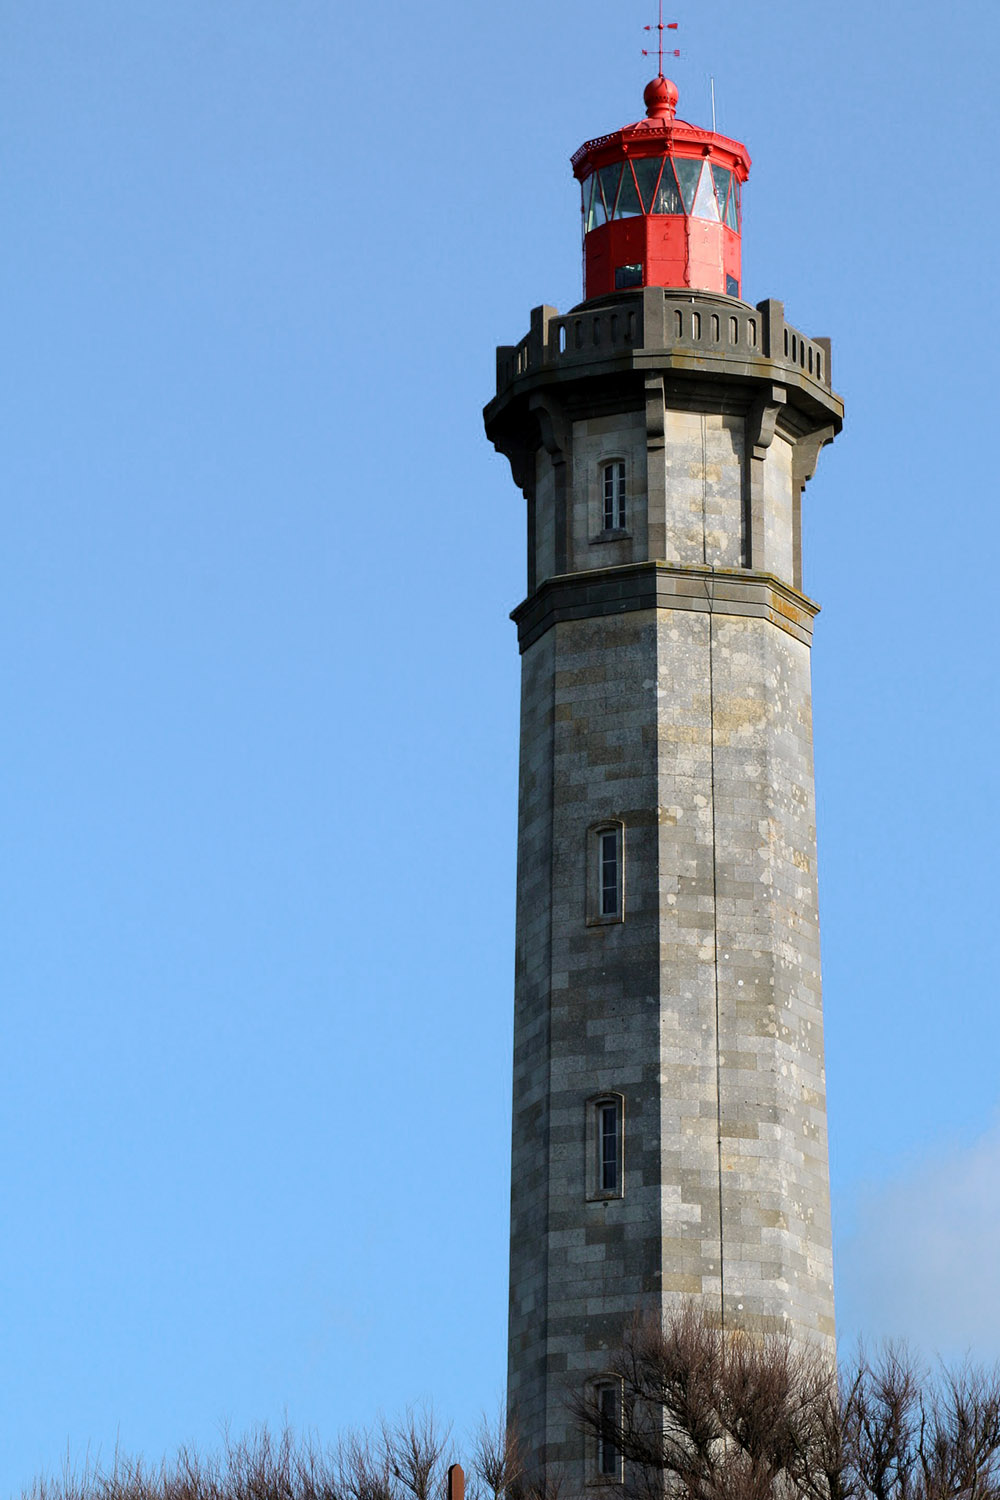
(713, 106)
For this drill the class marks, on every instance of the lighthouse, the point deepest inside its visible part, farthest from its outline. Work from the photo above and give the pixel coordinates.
(669, 1114)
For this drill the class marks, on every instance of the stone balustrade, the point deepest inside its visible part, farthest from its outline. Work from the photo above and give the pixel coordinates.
(693, 331)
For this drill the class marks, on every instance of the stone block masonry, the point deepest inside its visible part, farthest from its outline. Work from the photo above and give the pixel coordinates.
(666, 707)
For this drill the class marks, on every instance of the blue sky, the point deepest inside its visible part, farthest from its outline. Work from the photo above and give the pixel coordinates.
(260, 689)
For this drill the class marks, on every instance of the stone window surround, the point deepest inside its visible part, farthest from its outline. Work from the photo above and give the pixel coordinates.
(599, 532)
(592, 1139)
(595, 917)
(594, 1468)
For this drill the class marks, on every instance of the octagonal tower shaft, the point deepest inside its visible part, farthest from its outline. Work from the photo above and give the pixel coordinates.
(669, 1124)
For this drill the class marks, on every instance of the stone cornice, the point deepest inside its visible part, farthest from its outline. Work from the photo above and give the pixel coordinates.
(661, 585)
(684, 335)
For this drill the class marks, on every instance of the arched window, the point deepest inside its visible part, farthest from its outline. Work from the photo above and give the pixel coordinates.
(606, 1405)
(606, 873)
(605, 1145)
(615, 514)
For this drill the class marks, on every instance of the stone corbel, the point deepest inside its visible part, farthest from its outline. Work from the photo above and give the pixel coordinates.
(521, 457)
(556, 432)
(655, 414)
(656, 470)
(804, 458)
(806, 455)
(762, 420)
(522, 465)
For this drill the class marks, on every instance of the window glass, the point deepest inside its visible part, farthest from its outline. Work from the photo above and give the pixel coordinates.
(731, 219)
(614, 520)
(597, 214)
(607, 1403)
(605, 1147)
(609, 1148)
(688, 173)
(738, 191)
(705, 206)
(628, 276)
(610, 177)
(629, 205)
(732, 287)
(721, 177)
(647, 173)
(668, 198)
(588, 195)
(606, 844)
(609, 496)
(609, 856)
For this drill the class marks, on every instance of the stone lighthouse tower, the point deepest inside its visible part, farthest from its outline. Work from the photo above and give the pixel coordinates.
(669, 1138)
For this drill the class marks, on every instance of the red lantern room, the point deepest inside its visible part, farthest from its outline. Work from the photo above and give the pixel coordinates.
(661, 203)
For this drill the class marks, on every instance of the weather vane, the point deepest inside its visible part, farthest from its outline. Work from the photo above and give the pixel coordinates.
(661, 28)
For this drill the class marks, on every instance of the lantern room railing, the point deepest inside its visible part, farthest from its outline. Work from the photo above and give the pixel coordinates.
(695, 332)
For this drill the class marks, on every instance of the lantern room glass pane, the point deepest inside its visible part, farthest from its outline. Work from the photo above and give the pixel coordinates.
(705, 206)
(722, 178)
(688, 173)
(597, 216)
(647, 174)
(610, 178)
(668, 198)
(731, 218)
(629, 205)
(588, 193)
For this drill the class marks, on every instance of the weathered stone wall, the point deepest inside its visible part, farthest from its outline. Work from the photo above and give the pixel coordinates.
(779, 504)
(702, 1008)
(530, 1161)
(666, 687)
(703, 512)
(597, 441)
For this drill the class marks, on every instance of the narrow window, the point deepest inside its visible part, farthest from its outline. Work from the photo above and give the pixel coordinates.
(606, 873)
(605, 1141)
(607, 1399)
(614, 496)
(609, 1148)
(609, 874)
(628, 276)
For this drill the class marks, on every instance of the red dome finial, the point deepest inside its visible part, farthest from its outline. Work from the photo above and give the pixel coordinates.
(661, 99)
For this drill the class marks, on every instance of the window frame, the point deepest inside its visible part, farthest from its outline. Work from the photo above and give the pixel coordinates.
(605, 1465)
(630, 277)
(595, 1135)
(597, 914)
(616, 467)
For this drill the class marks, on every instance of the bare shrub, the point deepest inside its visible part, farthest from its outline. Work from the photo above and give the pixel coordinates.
(497, 1461)
(414, 1451)
(914, 1434)
(704, 1415)
(399, 1461)
(500, 1468)
(707, 1415)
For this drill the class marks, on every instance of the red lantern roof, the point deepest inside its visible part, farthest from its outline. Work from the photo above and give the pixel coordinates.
(662, 203)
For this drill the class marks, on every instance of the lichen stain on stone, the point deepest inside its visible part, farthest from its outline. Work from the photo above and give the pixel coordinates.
(740, 713)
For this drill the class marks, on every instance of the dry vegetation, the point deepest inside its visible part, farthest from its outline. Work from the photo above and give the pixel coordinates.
(701, 1416)
(405, 1460)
